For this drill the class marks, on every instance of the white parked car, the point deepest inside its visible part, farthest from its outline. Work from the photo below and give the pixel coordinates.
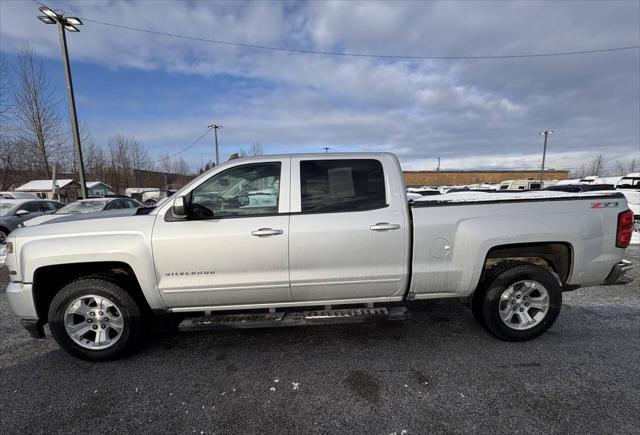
(333, 239)
(526, 184)
(17, 195)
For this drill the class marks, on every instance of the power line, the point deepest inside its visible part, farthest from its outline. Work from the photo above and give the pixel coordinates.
(350, 54)
(194, 143)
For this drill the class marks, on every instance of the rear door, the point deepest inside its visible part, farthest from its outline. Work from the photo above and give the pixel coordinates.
(348, 230)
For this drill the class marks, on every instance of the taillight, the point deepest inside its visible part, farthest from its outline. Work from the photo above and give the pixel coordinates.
(625, 229)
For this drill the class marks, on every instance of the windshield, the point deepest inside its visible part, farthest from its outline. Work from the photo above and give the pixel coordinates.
(628, 183)
(82, 207)
(5, 208)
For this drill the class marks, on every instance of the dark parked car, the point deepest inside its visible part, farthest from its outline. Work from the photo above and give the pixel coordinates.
(88, 206)
(13, 212)
(577, 188)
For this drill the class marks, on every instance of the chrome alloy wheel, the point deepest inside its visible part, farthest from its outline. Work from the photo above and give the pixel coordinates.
(93, 322)
(524, 304)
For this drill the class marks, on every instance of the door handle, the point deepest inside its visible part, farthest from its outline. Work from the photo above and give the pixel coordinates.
(265, 232)
(384, 226)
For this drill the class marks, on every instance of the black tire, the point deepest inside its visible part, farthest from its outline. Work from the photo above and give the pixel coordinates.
(486, 304)
(134, 324)
(477, 299)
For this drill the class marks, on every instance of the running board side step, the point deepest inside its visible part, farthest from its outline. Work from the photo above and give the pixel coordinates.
(297, 318)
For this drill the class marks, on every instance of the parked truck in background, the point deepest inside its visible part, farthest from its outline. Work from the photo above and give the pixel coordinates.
(629, 186)
(304, 239)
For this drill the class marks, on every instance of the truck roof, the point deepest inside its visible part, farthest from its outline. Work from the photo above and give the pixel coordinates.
(317, 155)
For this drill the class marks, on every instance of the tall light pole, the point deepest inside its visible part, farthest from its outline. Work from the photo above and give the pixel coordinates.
(68, 24)
(326, 149)
(215, 134)
(546, 133)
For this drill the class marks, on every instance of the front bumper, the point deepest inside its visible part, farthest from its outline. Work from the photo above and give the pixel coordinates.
(21, 301)
(618, 274)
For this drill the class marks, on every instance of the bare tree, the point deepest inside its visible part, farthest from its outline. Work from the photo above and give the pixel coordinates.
(623, 168)
(173, 165)
(39, 124)
(96, 161)
(5, 102)
(580, 172)
(175, 170)
(210, 164)
(254, 150)
(181, 167)
(6, 144)
(597, 166)
(125, 155)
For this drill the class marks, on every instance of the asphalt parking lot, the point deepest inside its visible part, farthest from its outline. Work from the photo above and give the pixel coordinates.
(439, 372)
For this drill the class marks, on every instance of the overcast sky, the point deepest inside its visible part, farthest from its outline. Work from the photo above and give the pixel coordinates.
(471, 113)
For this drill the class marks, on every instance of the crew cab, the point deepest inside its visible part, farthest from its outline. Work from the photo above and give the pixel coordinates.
(306, 239)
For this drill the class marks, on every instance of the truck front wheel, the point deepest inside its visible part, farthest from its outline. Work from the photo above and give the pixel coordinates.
(95, 319)
(520, 302)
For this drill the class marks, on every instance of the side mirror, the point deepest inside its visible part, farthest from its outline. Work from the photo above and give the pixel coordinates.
(179, 208)
(22, 212)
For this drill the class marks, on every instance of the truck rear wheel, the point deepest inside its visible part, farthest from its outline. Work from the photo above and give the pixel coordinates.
(519, 302)
(95, 319)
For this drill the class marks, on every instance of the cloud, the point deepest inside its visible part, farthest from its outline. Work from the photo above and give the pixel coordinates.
(483, 112)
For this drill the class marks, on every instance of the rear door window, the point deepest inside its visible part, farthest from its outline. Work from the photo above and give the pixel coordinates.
(115, 204)
(341, 185)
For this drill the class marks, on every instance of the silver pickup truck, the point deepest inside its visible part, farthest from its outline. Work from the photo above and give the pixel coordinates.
(307, 239)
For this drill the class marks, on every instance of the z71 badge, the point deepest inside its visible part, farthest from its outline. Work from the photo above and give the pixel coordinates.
(605, 204)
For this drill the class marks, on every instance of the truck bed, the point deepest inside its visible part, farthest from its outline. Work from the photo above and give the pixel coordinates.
(509, 196)
(453, 235)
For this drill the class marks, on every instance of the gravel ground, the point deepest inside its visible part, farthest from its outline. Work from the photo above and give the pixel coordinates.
(439, 372)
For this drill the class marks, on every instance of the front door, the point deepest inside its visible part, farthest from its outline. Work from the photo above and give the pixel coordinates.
(233, 249)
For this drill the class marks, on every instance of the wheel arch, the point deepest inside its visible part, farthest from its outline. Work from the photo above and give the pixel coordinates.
(556, 257)
(49, 280)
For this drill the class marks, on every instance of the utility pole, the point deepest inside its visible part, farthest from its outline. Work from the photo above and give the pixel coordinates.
(326, 149)
(64, 24)
(438, 172)
(545, 133)
(215, 134)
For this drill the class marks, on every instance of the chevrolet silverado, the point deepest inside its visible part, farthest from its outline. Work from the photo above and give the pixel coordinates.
(308, 239)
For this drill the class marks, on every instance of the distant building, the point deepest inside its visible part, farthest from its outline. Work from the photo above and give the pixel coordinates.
(114, 182)
(68, 189)
(453, 178)
(98, 188)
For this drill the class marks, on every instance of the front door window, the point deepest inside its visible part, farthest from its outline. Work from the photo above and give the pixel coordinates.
(248, 190)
